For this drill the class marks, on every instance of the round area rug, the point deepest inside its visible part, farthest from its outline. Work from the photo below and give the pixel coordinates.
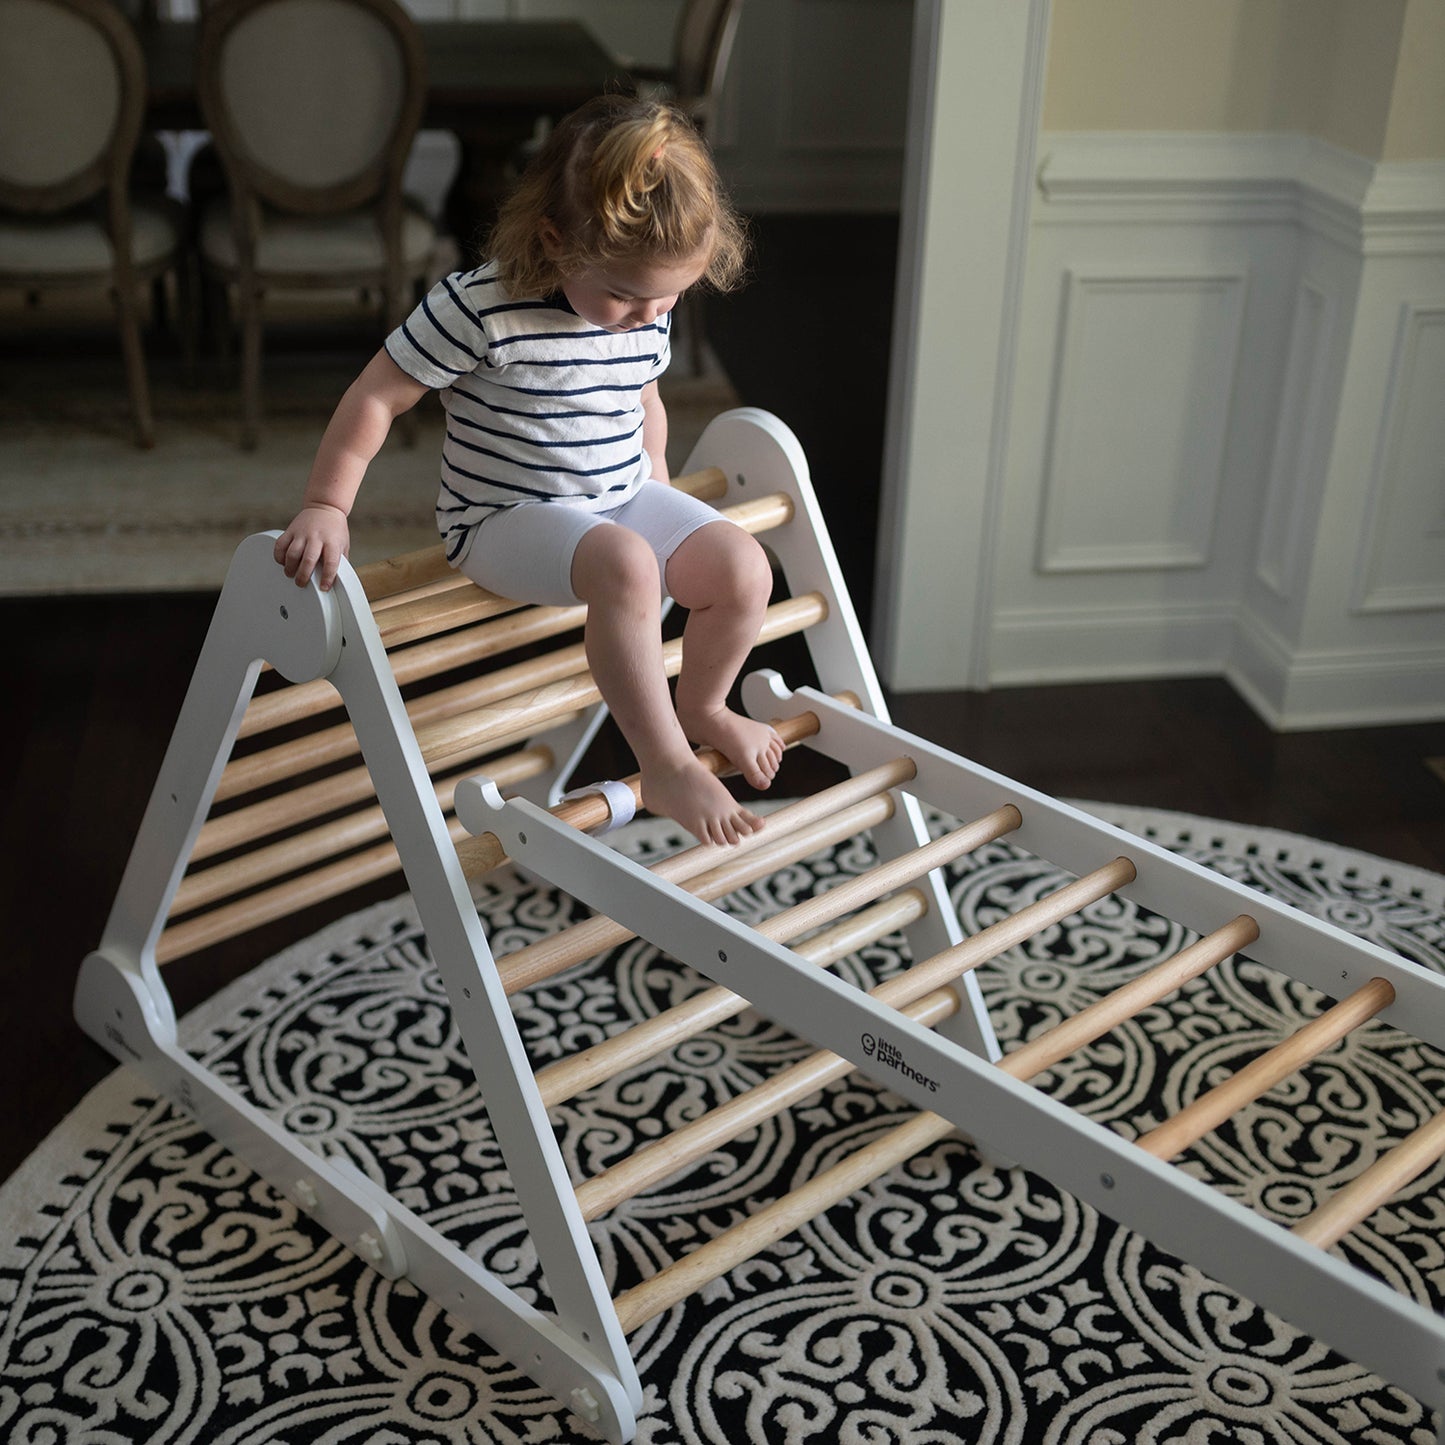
(153, 1289)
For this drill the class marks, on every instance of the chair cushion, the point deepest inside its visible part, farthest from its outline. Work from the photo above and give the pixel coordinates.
(77, 245)
(306, 245)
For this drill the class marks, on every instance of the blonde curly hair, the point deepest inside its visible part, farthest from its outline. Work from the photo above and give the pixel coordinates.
(621, 179)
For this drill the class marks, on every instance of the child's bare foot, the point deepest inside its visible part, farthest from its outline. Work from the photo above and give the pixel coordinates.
(753, 748)
(692, 796)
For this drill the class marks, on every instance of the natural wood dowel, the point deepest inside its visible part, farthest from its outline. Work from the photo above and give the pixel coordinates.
(453, 650)
(989, 942)
(241, 826)
(440, 741)
(330, 839)
(682, 1278)
(404, 572)
(592, 810)
(656, 1161)
(779, 848)
(569, 1077)
(319, 885)
(1361, 1197)
(924, 981)
(1262, 1074)
(687, 1275)
(1123, 1003)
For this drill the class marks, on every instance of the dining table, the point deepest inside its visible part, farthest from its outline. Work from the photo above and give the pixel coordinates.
(489, 82)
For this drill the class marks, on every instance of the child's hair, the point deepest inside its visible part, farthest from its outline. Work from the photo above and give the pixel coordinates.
(621, 179)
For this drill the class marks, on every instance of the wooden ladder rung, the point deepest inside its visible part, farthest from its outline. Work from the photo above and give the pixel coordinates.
(453, 650)
(711, 870)
(684, 1276)
(1259, 1076)
(441, 741)
(1351, 1205)
(923, 993)
(1082, 1028)
(319, 884)
(569, 1077)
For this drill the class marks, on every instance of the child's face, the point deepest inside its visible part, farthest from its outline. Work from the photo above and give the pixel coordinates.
(623, 296)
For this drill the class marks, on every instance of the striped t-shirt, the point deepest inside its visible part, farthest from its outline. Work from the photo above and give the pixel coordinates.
(541, 405)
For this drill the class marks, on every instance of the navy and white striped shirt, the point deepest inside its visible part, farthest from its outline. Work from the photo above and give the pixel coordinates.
(541, 405)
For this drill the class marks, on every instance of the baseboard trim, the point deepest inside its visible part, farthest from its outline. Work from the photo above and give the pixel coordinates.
(1316, 691)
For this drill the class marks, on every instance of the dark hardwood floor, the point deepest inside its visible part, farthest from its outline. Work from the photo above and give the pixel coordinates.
(95, 685)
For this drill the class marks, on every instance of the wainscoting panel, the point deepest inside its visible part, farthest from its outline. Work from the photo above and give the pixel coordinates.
(1283, 533)
(1146, 370)
(1403, 561)
(1225, 450)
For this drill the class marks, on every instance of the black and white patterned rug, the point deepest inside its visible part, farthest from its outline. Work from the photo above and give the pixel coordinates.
(153, 1290)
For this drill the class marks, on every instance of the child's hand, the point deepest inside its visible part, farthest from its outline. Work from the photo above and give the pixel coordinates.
(315, 542)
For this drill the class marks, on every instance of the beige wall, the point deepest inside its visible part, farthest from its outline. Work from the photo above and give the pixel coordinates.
(1364, 75)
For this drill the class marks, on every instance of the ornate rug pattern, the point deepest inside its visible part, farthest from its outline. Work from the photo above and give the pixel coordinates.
(153, 1290)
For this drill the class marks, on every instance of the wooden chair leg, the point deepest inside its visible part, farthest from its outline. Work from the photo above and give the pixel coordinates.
(128, 320)
(250, 303)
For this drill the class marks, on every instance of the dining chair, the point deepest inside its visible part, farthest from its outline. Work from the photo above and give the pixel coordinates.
(702, 46)
(73, 82)
(312, 105)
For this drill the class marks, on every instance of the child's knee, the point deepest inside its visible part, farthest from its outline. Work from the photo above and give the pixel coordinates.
(747, 572)
(721, 566)
(614, 564)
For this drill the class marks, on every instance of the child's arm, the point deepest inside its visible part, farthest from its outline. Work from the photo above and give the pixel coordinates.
(319, 537)
(654, 431)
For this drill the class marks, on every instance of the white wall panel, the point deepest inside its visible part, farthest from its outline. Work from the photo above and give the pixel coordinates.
(1285, 529)
(1403, 560)
(1146, 371)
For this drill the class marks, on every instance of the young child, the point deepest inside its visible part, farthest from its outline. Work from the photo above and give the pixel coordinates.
(554, 481)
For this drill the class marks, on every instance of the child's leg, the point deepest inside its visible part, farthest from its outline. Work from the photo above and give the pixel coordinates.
(723, 577)
(615, 572)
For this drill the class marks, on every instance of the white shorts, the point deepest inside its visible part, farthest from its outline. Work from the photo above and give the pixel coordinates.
(525, 552)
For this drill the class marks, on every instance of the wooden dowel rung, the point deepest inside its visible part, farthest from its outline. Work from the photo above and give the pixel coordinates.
(439, 741)
(442, 654)
(1351, 1205)
(331, 839)
(241, 826)
(413, 618)
(788, 837)
(319, 885)
(1008, 932)
(921, 992)
(1123, 1003)
(890, 874)
(569, 1077)
(1259, 1076)
(592, 810)
(688, 1274)
(698, 1137)
(404, 572)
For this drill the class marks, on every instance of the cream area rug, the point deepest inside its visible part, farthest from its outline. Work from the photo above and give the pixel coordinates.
(82, 509)
(153, 1290)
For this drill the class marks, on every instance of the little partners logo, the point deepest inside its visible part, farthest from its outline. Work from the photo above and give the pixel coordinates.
(892, 1055)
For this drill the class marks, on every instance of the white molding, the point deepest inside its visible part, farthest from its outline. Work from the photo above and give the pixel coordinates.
(1197, 494)
(1374, 592)
(1372, 207)
(1109, 643)
(1331, 688)
(1299, 427)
